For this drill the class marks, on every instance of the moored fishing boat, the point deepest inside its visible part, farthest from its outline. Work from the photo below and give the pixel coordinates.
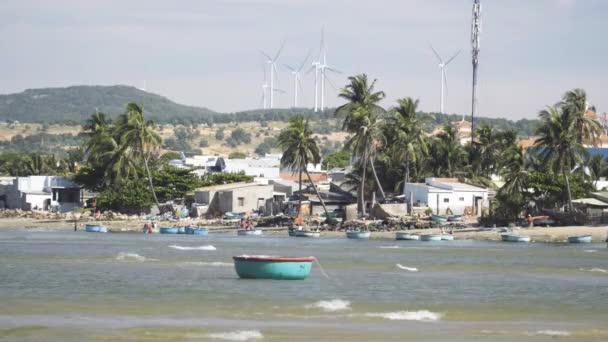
(307, 233)
(354, 234)
(439, 218)
(168, 230)
(200, 231)
(455, 218)
(272, 267)
(430, 237)
(95, 228)
(181, 230)
(291, 231)
(249, 232)
(447, 237)
(515, 238)
(406, 236)
(189, 230)
(580, 239)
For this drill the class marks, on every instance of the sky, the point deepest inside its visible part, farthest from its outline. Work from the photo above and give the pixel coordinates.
(207, 52)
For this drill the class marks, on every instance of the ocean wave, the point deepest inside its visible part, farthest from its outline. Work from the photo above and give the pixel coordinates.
(125, 256)
(421, 315)
(331, 305)
(208, 263)
(411, 269)
(594, 269)
(590, 250)
(241, 335)
(551, 333)
(389, 247)
(197, 248)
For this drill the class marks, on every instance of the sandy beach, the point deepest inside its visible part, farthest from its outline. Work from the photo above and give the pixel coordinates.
(537, 234)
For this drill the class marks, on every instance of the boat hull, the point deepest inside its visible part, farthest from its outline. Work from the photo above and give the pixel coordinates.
(168, 230)
(200, 232)
(515, 238)
(306, 233)
(358, 235)
(251, 232)
(437, 218)
(291, 232)
(181, 230)
(430, 237)
(580, 239)
(94, 228)
(447, 237)
(455, 218)
(406, 236)
(279, 268)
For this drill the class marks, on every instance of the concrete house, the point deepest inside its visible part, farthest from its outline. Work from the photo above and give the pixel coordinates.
(441, 194)
(235, 197)
(39, 193)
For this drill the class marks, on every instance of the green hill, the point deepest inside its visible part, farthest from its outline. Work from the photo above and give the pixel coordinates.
(77, 103)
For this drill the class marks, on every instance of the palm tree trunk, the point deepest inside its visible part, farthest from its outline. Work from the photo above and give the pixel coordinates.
(376, 178)
(300, 195)
(361, 196)
(151, 185)
(570, 207)
(318, 195)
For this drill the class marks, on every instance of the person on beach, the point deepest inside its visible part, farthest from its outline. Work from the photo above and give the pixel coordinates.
(75, 226)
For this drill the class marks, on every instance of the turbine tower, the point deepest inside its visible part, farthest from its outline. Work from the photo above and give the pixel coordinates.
(444, 81)
(272, 62)
(297, 80)
(475, 31)
(264, 90)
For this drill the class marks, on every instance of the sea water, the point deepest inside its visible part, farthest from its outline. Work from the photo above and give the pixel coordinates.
(78, 286)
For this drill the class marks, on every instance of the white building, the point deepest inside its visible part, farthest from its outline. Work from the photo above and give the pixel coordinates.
(441, 194)
(39, 193)
(259, 168)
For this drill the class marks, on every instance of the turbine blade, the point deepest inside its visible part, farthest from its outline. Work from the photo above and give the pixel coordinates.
(456, 54)
(331, 83)
(304, 61)
(279, 52)
(265, 55)
(436, 54)
(300, 86)
(279, 90)
(333, 70)
(289, 67)
(445, 83)
(311, 69)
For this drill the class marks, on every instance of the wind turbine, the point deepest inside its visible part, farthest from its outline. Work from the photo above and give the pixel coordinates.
(264, 89)
(272, 62)
(320, 66)
(297, 80)
(444, 81)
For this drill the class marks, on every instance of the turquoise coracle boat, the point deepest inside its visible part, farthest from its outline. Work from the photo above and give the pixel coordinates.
(200, 231)
(95, 228)
(406, 236)
(430, 237)
(358, 235)
(272, 267)
(168, 230)
(580, 239)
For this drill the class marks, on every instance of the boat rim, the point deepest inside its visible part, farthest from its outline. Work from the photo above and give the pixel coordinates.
(273, 258)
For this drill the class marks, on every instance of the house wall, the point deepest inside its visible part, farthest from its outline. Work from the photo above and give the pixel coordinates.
(440, 200)
(253, 197)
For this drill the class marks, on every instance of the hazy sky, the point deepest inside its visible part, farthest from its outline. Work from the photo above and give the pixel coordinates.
(206, 52)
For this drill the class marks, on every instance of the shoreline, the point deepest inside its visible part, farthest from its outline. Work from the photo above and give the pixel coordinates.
(537, 234)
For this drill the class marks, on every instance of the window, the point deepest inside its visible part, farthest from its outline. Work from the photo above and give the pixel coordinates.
(446, 200)
(241, 201)
(461, 199)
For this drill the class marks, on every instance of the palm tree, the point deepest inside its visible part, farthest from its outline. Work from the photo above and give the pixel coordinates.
(560, 143)
(360, 117)
(575, 103)
(406, 132)
(446, 153)
(137, 138)
(299, 149)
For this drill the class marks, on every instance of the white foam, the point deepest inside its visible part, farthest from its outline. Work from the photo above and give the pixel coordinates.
(197, 248)
(331, 305)
(590, 250)
(241, 335)
(389, 247)
(421, 315)
(594, 269)
(553, 333)
(410, 269)
(124, 256)
(208, 263)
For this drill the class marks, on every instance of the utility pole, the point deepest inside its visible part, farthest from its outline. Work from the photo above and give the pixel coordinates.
(475, 30)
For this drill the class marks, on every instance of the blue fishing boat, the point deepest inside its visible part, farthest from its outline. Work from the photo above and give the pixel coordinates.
(189, 230)
(439, 218)
(515, 238)
(249, 232)
(406, 236)
(580, 239)
(272, 267)
(358, 234)
(307, 233)
(95, 228)
(181, 230)
(455, 218)
(447, 237)
(291, 232)
(430, 237)
(168, 230)
(200, 231)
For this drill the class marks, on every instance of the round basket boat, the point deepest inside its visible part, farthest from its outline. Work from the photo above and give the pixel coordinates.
(406, 236)
(272, 267)
(200, 231)
(168, 230)
(358, 235)
(430, 237)
(95, 228)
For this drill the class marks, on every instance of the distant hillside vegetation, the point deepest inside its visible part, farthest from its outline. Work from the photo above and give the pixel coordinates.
(77, 103)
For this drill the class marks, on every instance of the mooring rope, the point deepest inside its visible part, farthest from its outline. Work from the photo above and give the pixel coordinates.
(321, 268)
